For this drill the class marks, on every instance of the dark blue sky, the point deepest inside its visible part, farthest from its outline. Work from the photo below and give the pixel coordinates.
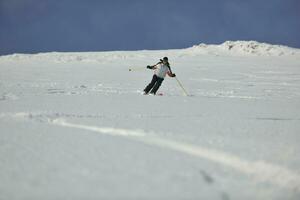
(30, 26)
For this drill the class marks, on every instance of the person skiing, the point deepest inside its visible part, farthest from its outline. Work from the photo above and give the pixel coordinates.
(162, 68)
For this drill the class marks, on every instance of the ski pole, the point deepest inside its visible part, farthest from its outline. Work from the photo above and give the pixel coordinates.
(136, 68)
(184, 91)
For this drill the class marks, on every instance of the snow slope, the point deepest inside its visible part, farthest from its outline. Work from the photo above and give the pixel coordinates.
(74, 125)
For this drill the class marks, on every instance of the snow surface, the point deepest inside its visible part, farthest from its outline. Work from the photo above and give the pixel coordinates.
(74, 125)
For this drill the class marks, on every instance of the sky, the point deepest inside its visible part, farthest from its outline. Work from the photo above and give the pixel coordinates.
(32, 26)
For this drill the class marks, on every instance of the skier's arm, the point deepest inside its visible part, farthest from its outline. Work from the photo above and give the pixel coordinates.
(170, 73)
(153, 66)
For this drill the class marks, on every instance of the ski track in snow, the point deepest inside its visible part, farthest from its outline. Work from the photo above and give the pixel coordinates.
(261, 171)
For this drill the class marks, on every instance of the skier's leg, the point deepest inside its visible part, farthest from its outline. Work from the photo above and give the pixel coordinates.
(157, 85)
(151, 84)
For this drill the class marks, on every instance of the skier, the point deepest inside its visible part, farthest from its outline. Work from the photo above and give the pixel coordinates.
(161, 69)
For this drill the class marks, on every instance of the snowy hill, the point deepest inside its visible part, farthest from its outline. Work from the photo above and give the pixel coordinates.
(232, 48)
(75, 125)
(247, 48)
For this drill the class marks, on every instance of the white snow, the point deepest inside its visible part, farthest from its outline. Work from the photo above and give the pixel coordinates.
(74, 125)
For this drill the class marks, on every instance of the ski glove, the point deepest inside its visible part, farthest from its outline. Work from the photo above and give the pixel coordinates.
(149, 67)
(173, 75)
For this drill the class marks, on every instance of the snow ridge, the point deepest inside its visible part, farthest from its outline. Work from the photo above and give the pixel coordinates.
(230, 48)
(247, 48)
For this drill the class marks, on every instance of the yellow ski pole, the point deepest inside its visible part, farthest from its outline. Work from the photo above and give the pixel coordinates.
(184, 91)
(136, 68)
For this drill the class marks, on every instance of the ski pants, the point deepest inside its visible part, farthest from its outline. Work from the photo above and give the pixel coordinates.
(154, 84)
